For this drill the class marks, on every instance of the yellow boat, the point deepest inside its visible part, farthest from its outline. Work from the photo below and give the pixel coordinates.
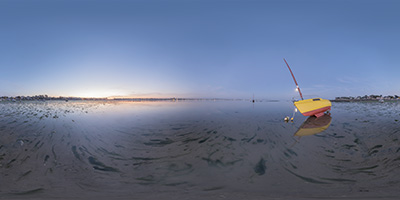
(314, 125)
(310, 107)
(316, 106)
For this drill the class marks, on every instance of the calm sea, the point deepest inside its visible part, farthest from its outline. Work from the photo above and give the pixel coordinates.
(197, 150)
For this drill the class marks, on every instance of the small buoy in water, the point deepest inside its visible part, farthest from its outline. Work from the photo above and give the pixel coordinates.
(291, 119)
(286, 119)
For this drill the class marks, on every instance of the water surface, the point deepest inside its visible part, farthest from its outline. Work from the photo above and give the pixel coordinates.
(196, 150)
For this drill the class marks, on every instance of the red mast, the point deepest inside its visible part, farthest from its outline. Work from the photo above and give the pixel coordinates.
(297, 85)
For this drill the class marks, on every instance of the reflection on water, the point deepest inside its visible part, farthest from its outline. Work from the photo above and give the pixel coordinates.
(313, 125)
(196, 150)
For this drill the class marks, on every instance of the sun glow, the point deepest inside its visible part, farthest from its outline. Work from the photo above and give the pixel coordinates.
(98, 93)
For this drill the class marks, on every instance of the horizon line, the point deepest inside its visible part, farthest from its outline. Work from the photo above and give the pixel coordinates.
(117, 98)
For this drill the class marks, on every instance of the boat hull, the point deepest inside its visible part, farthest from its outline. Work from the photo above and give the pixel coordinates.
(316, 106)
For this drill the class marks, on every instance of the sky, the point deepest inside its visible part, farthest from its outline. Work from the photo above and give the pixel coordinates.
(199, 48)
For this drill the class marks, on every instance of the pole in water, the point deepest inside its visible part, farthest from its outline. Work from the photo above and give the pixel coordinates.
(297, 85)
(294, 112)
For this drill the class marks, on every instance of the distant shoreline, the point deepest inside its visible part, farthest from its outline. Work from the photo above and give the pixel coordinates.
(367, 98)
(370, 98)
(364, 100)
(171, 99)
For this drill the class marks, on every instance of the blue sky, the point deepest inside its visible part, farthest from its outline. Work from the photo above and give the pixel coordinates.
(225, 49)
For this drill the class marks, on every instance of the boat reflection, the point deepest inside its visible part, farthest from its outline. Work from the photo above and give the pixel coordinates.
(314, 125)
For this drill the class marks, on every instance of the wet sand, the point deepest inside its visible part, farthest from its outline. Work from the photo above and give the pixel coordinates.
(196, 150)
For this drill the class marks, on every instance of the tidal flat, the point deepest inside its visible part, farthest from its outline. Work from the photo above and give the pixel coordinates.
(197, 150)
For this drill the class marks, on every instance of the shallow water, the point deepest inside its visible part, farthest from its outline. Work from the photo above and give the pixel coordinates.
(196, 150)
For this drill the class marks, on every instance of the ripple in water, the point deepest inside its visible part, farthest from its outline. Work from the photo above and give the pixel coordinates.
(197, 150)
